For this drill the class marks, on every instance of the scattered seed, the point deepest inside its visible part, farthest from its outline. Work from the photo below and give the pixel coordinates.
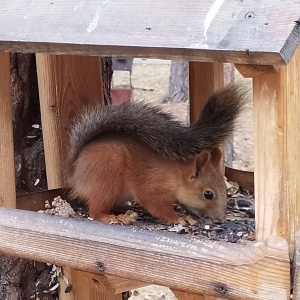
(36, 182)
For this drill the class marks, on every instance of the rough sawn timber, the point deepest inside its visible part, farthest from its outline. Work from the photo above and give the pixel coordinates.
(252, 32)
(7, 163)
(251, 271)
(276, 112)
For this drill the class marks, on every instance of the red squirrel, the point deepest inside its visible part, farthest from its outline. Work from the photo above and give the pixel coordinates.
(135, 151)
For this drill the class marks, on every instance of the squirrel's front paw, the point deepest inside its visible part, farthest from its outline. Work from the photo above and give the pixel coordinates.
(128, 218)
(190, 220)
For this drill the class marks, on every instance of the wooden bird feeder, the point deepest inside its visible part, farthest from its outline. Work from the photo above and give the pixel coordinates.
(261, 38)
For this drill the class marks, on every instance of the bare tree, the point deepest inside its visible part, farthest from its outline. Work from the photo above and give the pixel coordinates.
(179, 81)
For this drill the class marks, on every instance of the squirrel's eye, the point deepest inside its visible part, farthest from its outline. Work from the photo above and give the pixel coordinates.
(208, 195)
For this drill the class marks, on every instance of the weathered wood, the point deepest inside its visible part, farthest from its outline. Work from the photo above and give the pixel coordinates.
(250, 71)
(7, 163)
(244, 178)
(276, 147)
(250, 271)
(231, 31)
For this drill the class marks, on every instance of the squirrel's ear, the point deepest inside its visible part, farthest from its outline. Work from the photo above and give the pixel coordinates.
(200, 162)
(205, 160)
(216, 156)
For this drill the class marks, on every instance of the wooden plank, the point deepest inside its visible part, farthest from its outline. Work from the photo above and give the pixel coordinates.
(66, 85)
(276, 152)
(244, 178)
(36, 201)
(250, 71)
(108, 284)
(205, 79)
(247, 271)
(255, 32)
(85, 288)
(7, 163)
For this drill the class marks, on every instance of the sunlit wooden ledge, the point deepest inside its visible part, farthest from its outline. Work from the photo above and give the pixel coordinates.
(250, 271)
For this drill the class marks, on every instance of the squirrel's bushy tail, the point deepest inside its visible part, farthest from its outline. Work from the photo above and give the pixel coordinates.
(158, 129)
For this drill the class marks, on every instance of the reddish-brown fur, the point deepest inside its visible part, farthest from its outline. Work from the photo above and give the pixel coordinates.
(118, 167)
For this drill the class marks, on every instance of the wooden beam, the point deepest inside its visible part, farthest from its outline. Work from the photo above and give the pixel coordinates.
(7, 163)
(250, 71)
(108, 284)
(66, 85)
(244, 178)
(205, 79)
(36, 201)
(227, 31)
(220, 269)
(276, 152)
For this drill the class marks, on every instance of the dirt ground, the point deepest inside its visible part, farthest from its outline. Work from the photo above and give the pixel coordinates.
(150, 81)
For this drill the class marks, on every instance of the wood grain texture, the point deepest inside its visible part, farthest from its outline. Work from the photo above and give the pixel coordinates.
(85, 288)
(276, 152)
(109, 284)
(256, 32)
(205, 79)
(250, 271)
(7, 163)
(66, 85)
(250, 71)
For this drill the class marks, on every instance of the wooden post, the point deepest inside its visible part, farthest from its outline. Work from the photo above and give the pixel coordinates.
(66, 84)
(276, 153)
(7, 165)
(205, 79)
